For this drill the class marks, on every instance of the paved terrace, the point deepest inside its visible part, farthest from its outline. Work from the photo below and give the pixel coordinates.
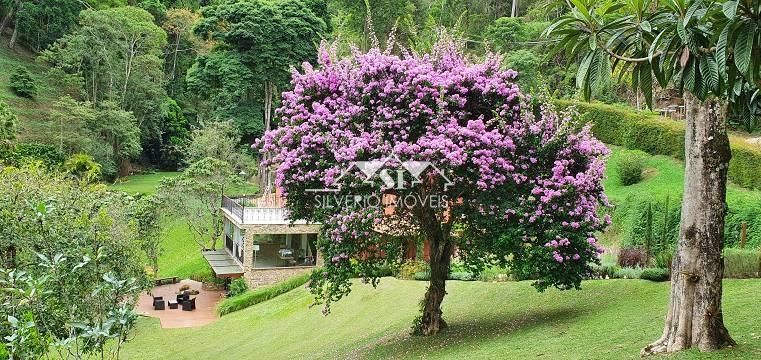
(206, 301)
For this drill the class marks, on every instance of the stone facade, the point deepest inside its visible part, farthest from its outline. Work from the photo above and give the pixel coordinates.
(263, 277)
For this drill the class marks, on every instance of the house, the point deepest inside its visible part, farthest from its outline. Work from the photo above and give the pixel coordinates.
(261, 244)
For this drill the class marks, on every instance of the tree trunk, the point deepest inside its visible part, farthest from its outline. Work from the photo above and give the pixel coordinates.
(6, 20)
(12, 43)
(265, 174)
(695, 317)
(514, 10)
(432, 321)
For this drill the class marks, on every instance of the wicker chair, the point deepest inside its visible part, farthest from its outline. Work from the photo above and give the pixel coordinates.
(159, 303)
(189, 305)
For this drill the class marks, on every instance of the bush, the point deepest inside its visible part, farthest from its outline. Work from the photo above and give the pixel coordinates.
(26, 153)
(237, 287)
(462, 276)
(631, 166)
(22, 83)
(256, 296)
(632, 257)
(655, 274)
(663, 260)
(409, 268)
(628, 273)
(603, 271)
(741, 263)
(422, 276)
(494, 273)
(649, 132)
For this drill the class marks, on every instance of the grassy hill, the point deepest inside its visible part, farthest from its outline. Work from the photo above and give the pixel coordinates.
(609, 319)
(32, 113)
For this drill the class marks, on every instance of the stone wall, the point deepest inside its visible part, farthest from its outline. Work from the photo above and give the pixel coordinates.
(263, 277)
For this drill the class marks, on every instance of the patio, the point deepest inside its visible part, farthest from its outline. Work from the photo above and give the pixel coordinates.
(206, 301)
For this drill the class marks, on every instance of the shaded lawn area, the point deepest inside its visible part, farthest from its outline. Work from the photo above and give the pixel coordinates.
(609, 319)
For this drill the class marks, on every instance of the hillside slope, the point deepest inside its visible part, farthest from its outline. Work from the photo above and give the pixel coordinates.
(32, 113)
(609, 319)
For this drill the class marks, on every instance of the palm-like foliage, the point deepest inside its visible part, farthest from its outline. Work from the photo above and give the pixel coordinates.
(704, 47)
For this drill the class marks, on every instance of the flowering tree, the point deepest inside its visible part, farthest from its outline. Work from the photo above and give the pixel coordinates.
(464, 161)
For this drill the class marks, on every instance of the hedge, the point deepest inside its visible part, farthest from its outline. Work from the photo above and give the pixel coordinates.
(253, 297)
(647, 131)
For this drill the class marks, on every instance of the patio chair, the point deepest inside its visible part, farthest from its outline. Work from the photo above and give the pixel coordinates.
(181, 298)
(158, 303)
(189, 305)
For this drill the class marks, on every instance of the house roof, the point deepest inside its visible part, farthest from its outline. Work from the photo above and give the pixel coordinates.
(223, 265)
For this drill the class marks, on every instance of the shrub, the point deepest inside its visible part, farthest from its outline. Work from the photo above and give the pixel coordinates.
(422, 276)
(631, 166)
(83, 167)
(26, 153)
(462, 276)
(646, 131)
(628, 273)
(663, 260)
(741, 263)
(494, 273)
(655, 274)
(603, 271)
(409, 268)
(237, 287)
(22, 83)
(632, 257)
(256, 296)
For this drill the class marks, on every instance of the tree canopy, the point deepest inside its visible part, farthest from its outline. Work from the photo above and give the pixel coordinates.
(510, 180)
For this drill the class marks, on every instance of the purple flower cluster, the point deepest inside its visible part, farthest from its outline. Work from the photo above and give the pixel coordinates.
(522, 166)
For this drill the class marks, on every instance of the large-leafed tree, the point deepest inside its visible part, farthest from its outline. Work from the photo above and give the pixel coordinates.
(710, 51)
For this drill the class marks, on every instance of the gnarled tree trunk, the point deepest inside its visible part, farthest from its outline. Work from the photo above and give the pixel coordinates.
(432, 321)
(694, 316)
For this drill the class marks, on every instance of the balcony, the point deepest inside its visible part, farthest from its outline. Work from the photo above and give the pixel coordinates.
(267, 210)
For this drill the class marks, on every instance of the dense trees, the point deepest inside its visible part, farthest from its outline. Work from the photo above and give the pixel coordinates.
(71, 274)
(258, 42)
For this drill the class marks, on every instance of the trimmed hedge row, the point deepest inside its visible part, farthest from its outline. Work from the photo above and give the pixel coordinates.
(647, 131)
(253, 297)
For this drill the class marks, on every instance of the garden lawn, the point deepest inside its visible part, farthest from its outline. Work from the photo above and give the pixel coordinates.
(143, 183)
(181, 255)
(664, 176)
(609, 319)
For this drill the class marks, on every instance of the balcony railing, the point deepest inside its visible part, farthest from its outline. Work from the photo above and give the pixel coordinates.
(257, 211)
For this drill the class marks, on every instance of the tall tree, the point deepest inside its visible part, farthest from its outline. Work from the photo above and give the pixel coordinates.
(118, 53)
(708, 50)
(476, 171)
(258, 43)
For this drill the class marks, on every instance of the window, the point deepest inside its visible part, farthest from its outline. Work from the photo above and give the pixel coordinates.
(285, 250)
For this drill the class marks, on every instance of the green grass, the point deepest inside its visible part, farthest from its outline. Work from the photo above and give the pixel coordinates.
(664, 176)
(610, 319)
(32, 113)
(253, 297)
(181, 255)
(143, 183)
